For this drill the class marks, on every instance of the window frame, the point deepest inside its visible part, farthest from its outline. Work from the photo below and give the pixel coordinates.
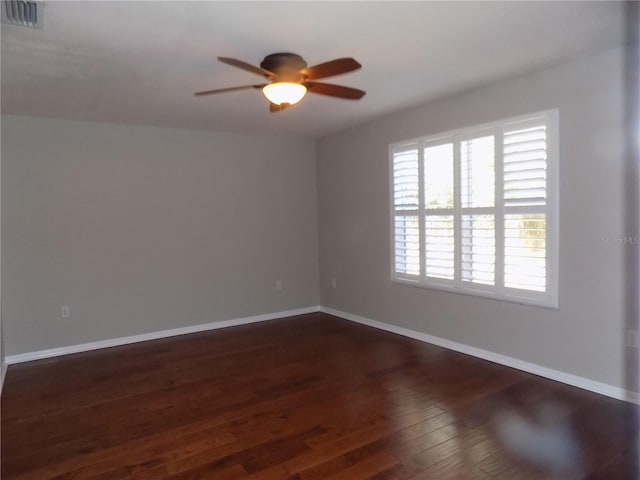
(498, 291)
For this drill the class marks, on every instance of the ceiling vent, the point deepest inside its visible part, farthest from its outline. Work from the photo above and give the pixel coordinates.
(24, 13)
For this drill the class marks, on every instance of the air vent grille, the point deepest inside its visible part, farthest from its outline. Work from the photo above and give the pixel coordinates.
(23, 13)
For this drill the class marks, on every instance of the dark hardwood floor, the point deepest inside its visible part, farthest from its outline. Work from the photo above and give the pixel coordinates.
(305, 398)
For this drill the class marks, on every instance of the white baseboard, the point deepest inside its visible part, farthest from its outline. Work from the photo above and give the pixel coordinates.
(114, 342)
(3, 374)
(563, 377)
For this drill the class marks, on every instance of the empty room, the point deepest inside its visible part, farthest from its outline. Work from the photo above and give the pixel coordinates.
(319, 240)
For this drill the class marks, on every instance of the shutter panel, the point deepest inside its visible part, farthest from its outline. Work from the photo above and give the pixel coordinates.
(407, 244)
(477, 178)
(525, 199)
(438, 176)
(525, 251)
(439, 246)
(405, 180)
(478, 249)
(477, 229)
(406, 197)
(525, 166)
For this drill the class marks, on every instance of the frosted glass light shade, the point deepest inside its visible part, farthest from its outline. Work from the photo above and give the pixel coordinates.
(284, 92)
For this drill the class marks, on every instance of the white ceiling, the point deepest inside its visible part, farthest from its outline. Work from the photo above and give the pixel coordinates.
(140, 62)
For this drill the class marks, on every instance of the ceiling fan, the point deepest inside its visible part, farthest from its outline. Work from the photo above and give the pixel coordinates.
(290, 79)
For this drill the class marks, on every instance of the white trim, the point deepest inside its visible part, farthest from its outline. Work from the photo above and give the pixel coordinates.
(3, 374)
(474, 291)
(557, 375)
(114, 342)
(553, 206)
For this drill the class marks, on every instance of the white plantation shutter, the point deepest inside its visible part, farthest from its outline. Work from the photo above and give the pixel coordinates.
(406, 199)
(525, 203)
(475, 211)
(477, 231)
(439, 249)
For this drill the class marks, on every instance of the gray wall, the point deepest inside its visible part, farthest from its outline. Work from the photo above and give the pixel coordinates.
(140, 229)
(2, 350)
(586, 335)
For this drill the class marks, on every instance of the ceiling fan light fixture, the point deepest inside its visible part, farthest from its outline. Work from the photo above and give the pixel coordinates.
(284, 92)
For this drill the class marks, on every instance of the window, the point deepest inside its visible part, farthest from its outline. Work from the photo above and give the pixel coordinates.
(475, 210)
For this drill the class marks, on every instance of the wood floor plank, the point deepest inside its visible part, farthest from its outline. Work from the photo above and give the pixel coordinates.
(304, 398)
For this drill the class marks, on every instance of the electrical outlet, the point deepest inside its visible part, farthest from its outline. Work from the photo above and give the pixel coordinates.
(334, 284)
(633, 339)
(278, 284)
(65, 312)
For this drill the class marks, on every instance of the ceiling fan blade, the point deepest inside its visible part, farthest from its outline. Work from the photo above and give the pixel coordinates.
(329, 69)
(335, 90)
(223, 90)
(246, 66)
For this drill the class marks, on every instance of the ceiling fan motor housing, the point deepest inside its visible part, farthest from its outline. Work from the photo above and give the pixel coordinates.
(286, 66)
